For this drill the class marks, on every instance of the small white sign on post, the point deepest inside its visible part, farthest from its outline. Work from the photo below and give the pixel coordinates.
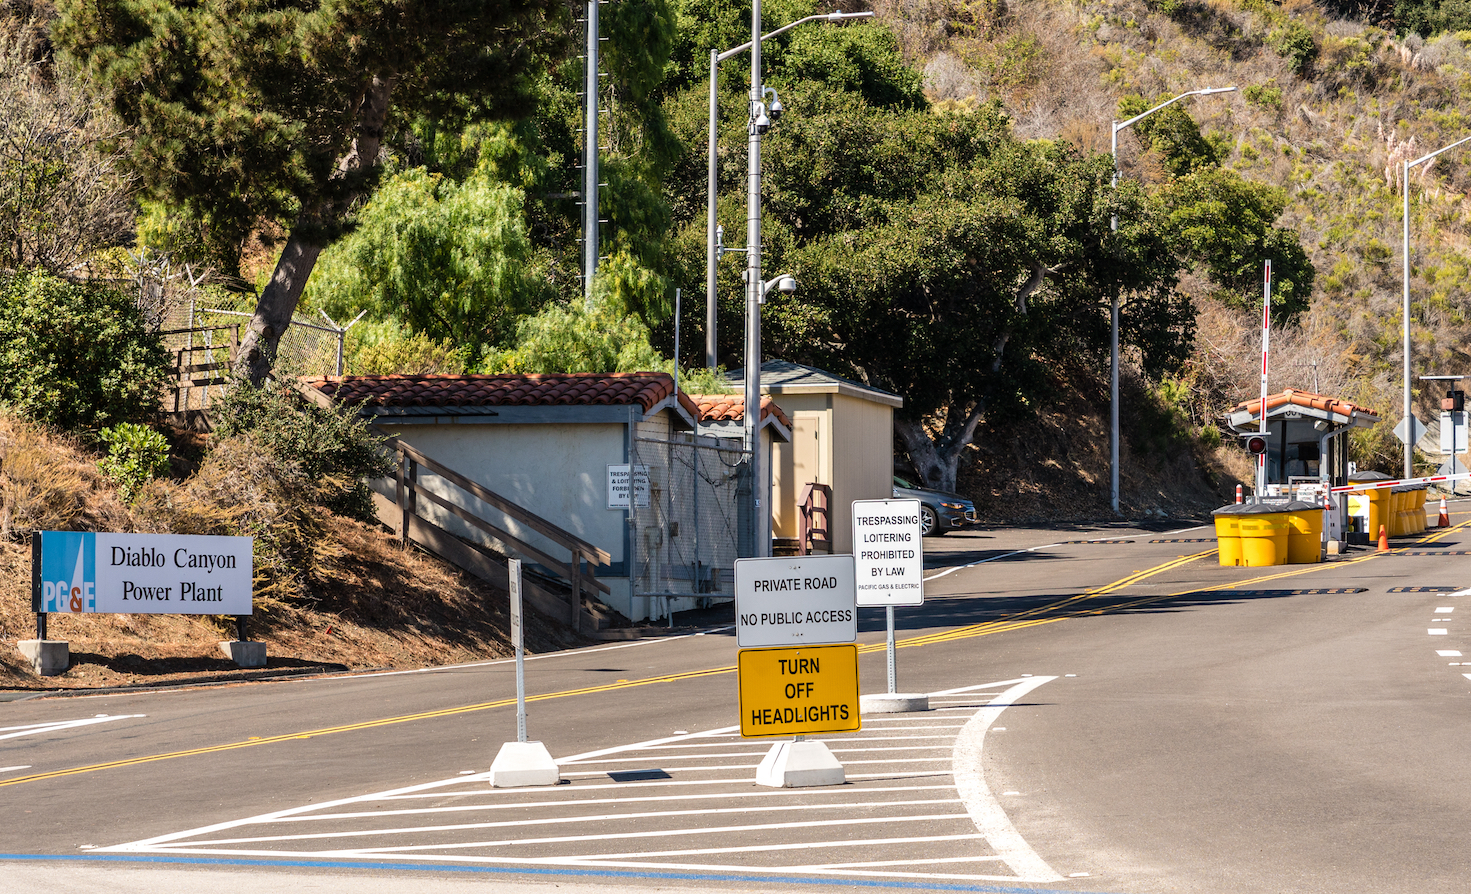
(888, 555)
(795, 601)
(625, 481)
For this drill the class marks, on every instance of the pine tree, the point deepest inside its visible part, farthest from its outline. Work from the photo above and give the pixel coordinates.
(253, 111)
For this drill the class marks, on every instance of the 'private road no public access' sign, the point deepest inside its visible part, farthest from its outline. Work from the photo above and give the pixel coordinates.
(795, 601)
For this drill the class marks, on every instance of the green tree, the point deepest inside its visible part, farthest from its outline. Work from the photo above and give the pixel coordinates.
(944, 260)
(76, 355)
(447, 259)
(252, 111)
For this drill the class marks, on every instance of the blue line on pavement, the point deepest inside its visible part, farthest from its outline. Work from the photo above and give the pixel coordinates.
(508, 870)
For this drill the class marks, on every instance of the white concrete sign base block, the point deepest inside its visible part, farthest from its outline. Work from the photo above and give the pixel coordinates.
(48, 657)
(245, 653)
(799, 765)
(524, 763)
(894, 702)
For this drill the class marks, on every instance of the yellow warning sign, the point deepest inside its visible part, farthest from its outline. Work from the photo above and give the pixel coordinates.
(797, 690)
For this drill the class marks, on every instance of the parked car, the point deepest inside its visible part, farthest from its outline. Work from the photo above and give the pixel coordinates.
(938, 511)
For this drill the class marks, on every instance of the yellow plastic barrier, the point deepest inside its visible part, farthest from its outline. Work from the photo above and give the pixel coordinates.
(1419, 516)
(1228, 533)
(1263, 538)
(1378, 512)
(1304, 533)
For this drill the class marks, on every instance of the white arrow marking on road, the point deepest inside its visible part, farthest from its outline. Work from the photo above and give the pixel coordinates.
(13, 732)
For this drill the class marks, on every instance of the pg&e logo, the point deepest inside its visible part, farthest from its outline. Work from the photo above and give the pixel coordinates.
(68, 571)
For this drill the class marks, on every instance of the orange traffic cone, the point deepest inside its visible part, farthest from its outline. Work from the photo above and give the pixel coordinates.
(1383, 540)
(1445, 520)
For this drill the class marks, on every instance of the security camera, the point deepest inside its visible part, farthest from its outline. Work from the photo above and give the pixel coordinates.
(786, 283)
(775, 109)
(761, 123)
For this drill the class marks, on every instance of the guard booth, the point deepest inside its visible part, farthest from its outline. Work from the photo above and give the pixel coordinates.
(1307, 444)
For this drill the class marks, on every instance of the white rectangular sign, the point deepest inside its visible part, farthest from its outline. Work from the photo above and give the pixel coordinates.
(795, 601)
(144, 573)
(888, 555)
(619, 486)
(1452, 432)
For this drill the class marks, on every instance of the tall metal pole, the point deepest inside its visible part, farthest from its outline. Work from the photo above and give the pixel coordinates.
(1405, 310)
(1113, 387)
(1405, 318)
(751, 441)
(1113, 351)
(590, 157)
(712, 253)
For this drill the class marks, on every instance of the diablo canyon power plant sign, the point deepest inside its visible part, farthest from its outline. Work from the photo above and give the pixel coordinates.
(77, 572)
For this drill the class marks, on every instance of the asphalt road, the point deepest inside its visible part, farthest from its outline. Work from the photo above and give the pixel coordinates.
(1110, 711)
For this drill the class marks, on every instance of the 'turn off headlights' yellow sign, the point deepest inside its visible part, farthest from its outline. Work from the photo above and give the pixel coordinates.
(798, 690)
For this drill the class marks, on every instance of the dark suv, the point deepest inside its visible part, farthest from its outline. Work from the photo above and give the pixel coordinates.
(938, 511)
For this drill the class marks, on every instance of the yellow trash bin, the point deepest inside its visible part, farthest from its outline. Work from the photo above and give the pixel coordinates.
(1304, 533)
(1263, 532)
(1228, 532)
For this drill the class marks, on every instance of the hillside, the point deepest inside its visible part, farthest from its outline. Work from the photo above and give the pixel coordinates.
(1327, 109)
(360, 602)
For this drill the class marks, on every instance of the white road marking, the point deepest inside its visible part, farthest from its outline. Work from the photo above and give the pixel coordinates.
(1467, 676)
(1032, 549)
(1445, 610)
(34, 729)
(1448, 653)
(1436, 631)
(14, 769)
(983, 808)
(949, 793)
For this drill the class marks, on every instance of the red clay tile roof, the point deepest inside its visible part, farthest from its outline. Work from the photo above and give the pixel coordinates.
(1302, 399)
(732, 408)
(646, 389)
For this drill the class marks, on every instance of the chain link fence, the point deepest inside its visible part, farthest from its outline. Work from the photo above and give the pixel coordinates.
(684, 540)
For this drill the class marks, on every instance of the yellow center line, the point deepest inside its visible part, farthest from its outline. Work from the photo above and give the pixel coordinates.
(1059, 610)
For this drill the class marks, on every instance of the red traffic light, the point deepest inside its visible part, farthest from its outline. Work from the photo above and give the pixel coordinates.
(1256, 445)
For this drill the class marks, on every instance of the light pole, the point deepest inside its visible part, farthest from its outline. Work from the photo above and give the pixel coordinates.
(1113, 389)
(1405, 250)
(712, 253)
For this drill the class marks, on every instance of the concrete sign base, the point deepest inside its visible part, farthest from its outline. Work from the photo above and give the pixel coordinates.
(524, 763)
(799, 764)
(48, 657)
(245, 653)
(894, 703)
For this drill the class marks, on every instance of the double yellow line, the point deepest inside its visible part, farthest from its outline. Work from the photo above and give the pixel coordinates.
(1059, 610)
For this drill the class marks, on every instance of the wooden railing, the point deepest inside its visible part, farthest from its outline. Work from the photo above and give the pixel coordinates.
(189, 375)
(817, 525)
(402, 514)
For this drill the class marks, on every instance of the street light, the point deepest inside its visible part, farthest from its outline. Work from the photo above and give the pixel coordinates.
(1405, 183)
(773, 112)
(1113, 400)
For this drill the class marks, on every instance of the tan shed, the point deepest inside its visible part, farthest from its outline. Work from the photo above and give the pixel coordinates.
(842, 437)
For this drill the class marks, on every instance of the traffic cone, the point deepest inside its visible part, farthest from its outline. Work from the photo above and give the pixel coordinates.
(1445, 519)
(1383, 540)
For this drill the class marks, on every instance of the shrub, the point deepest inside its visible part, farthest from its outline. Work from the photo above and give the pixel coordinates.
(1294, 42)
(136, 455)
(326, 452)
(76, 355)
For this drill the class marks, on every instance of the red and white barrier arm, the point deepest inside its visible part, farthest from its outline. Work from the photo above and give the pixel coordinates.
(1375, 485)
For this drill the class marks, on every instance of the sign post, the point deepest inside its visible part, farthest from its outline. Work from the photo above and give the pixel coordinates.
(521, 763)
(797, 671)
(888, 560)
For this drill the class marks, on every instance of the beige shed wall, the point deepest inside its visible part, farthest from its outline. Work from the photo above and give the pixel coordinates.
(843, 442)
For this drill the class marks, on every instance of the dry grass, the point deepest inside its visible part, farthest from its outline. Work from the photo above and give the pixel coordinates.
(330, 592)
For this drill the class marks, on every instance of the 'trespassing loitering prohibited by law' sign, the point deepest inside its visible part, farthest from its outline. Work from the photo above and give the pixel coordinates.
(80, 572)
